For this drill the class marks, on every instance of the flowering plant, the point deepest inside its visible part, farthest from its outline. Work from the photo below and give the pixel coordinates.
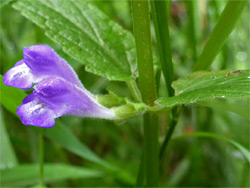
(140, 78)
(57, 92)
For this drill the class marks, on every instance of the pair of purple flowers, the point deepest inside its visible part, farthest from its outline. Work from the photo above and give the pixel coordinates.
(58, 90)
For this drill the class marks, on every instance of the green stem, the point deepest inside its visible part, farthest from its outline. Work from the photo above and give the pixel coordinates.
(174, 121)
(225, 49)
(140, 175)
(192, 7)
(168, 8)
(142, 34)
(224, 27)
(160, 14)
(158, 81)
(41, 159)
(151, 149)
(141, 23)
(134, 90)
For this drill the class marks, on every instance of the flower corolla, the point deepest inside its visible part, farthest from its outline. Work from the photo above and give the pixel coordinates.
(57, 89)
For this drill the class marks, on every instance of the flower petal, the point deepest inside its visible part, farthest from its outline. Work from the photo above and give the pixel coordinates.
(34, 112)
(29, 98)
(67, 98)
(44, 62)
(19, 76)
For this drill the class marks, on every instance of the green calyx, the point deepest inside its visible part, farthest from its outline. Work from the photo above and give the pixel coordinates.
(123, 107)
(111, 100)
(129, 110)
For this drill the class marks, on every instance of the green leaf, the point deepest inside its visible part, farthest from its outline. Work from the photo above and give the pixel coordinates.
(28, 174)
(4, 2)
(62, 135)
(240, 107)
(10, 97)
(8, 157)
(203, 86)
(86, 34)
(242, 149)
(66, 139)
(179, 172)
(220, 33)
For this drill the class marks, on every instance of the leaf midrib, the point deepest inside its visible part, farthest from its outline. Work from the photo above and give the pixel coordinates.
(90, 24)
(102, 47)
(94, 40)
(173, 101)
(193, 87)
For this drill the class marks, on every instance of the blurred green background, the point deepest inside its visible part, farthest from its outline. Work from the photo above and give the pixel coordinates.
(188, 162)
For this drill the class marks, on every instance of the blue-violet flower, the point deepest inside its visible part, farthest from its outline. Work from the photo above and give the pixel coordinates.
(57, 91)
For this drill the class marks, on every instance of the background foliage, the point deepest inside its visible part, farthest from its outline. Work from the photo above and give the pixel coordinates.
(206, 149)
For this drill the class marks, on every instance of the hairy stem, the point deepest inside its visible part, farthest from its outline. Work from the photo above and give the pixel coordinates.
(141, 23)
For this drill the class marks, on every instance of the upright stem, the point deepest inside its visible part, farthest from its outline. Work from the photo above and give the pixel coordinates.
(174, 121)
(141, 23)
(192, 7)
(151, 150)
(140, 175)
(160, 14)
(41, 159)
(224, 27)
(140, 10)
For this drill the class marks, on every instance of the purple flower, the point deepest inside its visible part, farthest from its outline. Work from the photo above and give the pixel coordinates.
(39, 62)
(57, 92)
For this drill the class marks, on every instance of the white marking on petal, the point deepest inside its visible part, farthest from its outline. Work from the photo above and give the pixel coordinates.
(34, 107)
(64, 105)
(19, 72)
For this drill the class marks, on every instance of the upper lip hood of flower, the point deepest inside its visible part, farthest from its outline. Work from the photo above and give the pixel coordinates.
(58, 91)
(39, 62)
